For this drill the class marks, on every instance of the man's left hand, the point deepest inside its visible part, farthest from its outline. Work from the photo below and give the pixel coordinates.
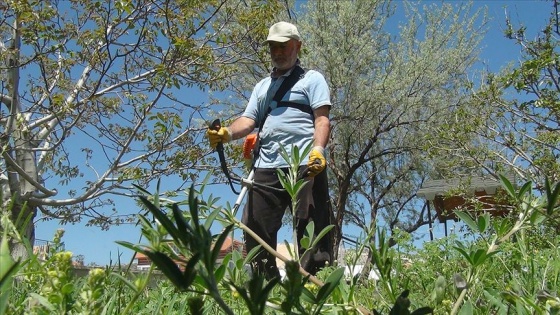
(317, 161)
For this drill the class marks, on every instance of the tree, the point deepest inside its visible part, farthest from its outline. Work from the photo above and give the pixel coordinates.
(390, 91)
(511, 124)
(94, 98)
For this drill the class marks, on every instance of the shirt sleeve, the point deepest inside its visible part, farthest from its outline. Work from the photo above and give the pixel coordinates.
(253, 109)
(318, 89)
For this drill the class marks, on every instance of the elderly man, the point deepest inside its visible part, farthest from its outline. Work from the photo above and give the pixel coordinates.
(291, 108)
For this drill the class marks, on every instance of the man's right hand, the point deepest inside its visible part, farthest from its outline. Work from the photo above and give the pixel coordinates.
(222, 135)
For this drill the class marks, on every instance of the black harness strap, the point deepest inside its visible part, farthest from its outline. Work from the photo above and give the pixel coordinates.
(288, 83)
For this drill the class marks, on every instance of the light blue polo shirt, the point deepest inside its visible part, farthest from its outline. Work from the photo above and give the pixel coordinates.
(286, 126)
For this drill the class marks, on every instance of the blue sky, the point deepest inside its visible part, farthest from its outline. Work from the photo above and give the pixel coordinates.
(99, 246)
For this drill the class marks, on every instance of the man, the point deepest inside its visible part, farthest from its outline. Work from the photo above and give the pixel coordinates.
(299, 119)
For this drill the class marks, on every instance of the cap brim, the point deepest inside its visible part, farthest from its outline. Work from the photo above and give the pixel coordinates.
(280, 39)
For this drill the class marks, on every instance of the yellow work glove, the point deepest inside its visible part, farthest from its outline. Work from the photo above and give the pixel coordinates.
(317, 162)
(216, 136)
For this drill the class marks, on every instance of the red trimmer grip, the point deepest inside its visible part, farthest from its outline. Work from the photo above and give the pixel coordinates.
(249, 145)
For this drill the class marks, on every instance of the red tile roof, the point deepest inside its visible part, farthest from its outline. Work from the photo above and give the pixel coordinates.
(228, 246)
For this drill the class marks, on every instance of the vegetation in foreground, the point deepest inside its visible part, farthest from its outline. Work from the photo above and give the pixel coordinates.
(505, 266)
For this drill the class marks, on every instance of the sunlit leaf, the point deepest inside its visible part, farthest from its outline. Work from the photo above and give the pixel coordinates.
(331, 283)
(478, 257)
(162, 218)
(463, 251)
(483, 222)
(467, 219)
(552, 197)
(219, 242)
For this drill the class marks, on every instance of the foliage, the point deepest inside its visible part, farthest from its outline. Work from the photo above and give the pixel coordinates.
(189, 257)
(503, 270)
(91, 97)
(392, 81)
(510, 265)
(9, 267)
(511, 123)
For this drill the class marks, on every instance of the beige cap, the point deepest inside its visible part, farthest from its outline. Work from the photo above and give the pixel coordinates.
(282, 32)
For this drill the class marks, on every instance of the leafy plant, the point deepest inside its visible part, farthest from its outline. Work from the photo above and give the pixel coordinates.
(8, 266)
(531, 211)
(402, 304)
(293, 181)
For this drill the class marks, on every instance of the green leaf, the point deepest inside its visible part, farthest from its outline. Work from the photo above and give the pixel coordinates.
(467, 219)
(493, 299)
(252, 254)
(7, 270)
(162, 218)
(7, 264)
(331, 283)
(509, 296)
(466, 309)
(44, 302)
(305, 242)
(552, 197)
(479, 257)
(536, 218)
(220, 272)
(193, 207)
(524, 190)
(283, 178)
(67, 288)
(179, 219)
(236, 257)
(142, 189)
(501, 227)
(126, 281)
(310, 229)
(196, 306)
(307, 296)
(321, 234)
(219, 242)
(508, 186)
(211, 218)
(129, 245)
(439, 290)
(168, 267)
(189, 273)
(299, 185)
(483, 222)
(463, 252)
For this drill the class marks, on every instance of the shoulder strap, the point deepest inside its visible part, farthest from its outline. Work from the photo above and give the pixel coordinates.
(288, 83)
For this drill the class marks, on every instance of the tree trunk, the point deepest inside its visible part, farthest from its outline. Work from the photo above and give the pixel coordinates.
(22, 218)
(20, 161)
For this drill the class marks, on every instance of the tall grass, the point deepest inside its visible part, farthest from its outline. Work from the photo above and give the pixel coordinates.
(509, 266)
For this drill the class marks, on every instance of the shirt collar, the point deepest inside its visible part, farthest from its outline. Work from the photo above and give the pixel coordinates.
(274, 75)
